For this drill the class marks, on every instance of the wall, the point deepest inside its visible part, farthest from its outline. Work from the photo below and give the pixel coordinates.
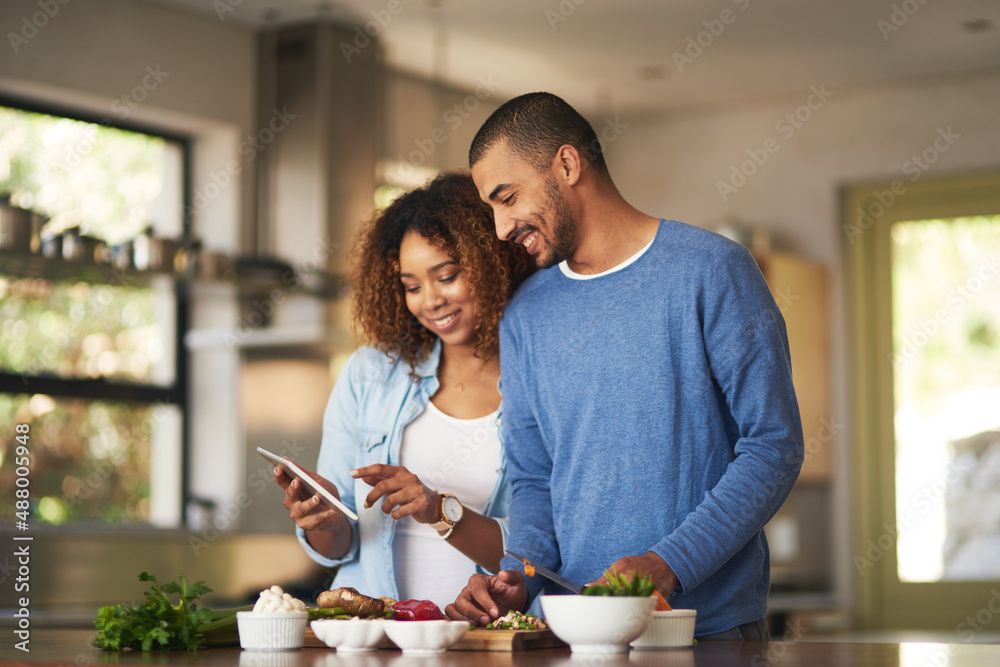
(671, 165)
(432, 125)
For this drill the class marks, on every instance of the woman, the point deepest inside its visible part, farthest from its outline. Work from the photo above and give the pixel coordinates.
(410, 438)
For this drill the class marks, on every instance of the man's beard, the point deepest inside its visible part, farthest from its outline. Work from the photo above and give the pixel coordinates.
(562, 229)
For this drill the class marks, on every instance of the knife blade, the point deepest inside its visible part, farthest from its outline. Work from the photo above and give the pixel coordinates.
(547, 573)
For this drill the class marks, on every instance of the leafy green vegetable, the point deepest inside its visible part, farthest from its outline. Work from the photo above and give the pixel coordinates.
(157, 624)
(632, 584)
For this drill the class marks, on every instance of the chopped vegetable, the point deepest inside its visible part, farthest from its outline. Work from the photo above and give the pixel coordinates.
(529, 569)
(418, 610)
(661, 602)
(515, 620)
(630, 585)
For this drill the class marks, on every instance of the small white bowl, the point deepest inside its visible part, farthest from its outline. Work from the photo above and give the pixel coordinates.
(598, 623)
(272, 631)
(668, 629)
(355, 634)
(425, 636)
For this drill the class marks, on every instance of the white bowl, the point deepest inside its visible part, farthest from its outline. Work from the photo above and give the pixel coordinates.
(355, 634)
(598, 623)
(272, 631)
(425, 636)
(668, 629)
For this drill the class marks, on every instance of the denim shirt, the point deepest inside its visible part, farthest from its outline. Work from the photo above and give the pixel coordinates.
(372, 402)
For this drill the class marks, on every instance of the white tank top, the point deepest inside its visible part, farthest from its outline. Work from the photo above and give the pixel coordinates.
(462, 457)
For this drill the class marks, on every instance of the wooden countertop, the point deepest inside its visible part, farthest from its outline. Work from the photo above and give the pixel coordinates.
(71, 648)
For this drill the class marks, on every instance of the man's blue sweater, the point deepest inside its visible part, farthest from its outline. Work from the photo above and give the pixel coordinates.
(652, 409)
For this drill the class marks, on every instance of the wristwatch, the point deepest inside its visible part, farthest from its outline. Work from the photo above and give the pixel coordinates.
(451, 513)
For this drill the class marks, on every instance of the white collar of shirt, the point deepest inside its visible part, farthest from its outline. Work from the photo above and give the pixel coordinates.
(570, 273)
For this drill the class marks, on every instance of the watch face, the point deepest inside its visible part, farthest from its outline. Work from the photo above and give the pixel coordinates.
(451, 508)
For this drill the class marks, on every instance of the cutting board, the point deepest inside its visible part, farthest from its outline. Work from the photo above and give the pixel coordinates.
(480, 639)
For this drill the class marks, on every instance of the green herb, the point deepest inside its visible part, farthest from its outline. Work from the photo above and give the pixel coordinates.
(632, 584)
(157, 624)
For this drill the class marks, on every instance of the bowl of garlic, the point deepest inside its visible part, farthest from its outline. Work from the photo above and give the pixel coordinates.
(277, 622)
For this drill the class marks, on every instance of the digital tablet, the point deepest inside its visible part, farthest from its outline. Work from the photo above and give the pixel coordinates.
(295, 472)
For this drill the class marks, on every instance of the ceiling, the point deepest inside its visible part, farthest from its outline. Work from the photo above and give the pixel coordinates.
(658, 55)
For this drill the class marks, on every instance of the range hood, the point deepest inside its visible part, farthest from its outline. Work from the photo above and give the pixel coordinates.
(316, 178)
(318, 120)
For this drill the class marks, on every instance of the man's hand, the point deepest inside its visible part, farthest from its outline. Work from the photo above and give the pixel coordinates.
(649, 564)
(488, 597)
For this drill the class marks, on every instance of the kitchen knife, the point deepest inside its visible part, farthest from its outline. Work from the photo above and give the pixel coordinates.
(547, 573)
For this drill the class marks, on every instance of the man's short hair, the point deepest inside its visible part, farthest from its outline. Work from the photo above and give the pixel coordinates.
(534, 126)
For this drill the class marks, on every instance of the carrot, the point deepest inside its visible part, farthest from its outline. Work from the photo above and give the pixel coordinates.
(529, 569)
(661, 602)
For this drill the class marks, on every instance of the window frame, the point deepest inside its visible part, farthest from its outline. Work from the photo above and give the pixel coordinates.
(96, 389)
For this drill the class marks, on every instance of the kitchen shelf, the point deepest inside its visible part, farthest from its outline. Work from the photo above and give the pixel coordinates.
(26, 265)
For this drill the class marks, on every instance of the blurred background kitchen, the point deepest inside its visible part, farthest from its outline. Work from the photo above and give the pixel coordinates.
(182, 180)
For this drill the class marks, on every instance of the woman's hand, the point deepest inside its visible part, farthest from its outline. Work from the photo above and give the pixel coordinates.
(402, 490)
(305, 508)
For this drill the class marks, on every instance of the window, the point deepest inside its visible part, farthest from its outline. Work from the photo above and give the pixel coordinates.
(90, 354)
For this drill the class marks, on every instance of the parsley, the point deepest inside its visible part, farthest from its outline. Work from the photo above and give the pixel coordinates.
(157, 624)
(636, 585)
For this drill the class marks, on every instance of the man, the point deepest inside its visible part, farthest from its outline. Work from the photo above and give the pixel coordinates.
(650, 422)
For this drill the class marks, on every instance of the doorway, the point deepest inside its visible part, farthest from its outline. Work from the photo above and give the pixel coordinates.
(924, 290)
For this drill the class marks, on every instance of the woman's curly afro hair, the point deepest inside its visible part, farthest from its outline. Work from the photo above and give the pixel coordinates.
(449, 213)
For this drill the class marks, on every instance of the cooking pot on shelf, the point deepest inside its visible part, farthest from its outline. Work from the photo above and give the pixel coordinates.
(80, 248)
(154, 253)
(15, 227)
(52, 245)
